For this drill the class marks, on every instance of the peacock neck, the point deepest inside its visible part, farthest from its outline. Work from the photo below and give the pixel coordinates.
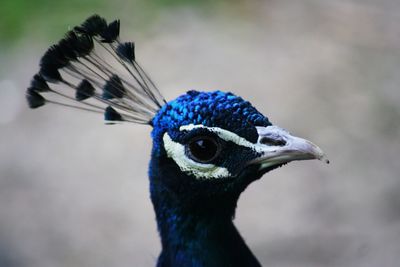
(197, 232)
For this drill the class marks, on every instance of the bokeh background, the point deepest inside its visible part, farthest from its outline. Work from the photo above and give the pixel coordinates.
(74, 192)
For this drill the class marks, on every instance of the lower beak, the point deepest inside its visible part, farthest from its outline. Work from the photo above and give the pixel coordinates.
(277, 146)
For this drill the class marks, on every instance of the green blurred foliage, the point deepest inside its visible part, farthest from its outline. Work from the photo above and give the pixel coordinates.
(46, 19)
(18, 17)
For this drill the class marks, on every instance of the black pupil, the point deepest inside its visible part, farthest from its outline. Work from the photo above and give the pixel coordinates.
(203, 149)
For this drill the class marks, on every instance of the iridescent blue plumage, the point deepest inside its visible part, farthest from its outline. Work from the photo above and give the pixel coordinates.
(195, 215)
(212, 109)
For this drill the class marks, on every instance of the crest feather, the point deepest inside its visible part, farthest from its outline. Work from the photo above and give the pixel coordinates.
(91, 69)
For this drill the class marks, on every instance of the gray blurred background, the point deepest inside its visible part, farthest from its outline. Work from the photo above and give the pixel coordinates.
(74, 192)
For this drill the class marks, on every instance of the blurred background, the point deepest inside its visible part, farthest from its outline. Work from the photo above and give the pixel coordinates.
(74, 192)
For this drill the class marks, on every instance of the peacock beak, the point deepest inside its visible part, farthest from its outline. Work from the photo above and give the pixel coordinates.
(277, 146)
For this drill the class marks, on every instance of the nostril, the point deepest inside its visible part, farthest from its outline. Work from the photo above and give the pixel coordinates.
(272, 142)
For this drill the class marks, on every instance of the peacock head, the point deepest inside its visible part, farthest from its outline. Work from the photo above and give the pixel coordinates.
(219, 139)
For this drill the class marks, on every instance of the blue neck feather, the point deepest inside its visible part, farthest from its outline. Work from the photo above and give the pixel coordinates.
(196, 229)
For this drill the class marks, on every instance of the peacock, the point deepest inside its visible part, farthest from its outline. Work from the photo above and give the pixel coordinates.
(207, 146)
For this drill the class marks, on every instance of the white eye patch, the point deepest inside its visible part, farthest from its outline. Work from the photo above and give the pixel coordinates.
(176, 151)
(227, 136)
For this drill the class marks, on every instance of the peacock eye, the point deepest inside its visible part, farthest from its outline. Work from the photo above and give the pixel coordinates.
(203, 149)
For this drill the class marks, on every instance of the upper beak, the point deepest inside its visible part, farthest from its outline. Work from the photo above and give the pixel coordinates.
(277, 146)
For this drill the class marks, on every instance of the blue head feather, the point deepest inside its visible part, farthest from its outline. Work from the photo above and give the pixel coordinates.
(212, 109)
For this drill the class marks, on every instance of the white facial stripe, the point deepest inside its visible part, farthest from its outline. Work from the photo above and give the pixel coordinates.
(227, 136)
(176, 151)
